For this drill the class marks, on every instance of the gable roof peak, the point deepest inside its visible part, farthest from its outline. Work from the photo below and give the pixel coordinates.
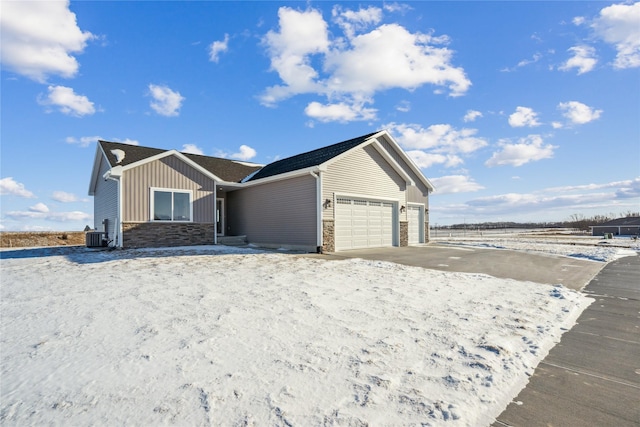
(120, 154)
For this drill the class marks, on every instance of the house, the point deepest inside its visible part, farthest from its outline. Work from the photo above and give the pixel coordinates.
(360, 193)
(629, 226)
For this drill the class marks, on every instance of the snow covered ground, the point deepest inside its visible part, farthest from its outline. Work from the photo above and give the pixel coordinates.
(226, 336)
(587, 247)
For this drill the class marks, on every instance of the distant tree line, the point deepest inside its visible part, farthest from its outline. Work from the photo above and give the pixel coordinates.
(575, 221)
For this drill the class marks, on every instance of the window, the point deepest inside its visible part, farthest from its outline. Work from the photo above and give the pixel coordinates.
(170, 205)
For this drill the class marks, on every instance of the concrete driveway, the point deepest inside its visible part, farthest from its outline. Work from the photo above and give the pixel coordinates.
(526, 266)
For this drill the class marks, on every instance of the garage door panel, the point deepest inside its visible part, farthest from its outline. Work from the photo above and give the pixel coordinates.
(362, 223)
(416, 224)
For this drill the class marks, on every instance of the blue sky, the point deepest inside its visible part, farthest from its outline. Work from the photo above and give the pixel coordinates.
(516, 111)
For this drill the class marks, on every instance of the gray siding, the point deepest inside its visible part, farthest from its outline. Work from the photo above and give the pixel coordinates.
(168, 172)
(362, 172)
(105, 201)
(280, 212)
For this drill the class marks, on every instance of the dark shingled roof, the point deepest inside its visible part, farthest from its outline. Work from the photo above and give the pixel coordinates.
(309, 159)
(630, 220)
(228, 170)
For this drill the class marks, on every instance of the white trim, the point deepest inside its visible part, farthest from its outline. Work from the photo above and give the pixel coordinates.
(368, 197)
(283, 176)
(152, 190)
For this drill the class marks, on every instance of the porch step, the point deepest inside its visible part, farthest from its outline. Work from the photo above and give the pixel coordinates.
(232, 240)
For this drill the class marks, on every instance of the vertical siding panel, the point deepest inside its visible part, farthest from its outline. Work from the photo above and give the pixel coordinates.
(168, 172)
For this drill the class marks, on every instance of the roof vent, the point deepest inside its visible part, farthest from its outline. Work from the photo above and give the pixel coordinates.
(119, 154)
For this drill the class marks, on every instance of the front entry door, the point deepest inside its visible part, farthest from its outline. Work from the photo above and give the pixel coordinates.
(220, 217)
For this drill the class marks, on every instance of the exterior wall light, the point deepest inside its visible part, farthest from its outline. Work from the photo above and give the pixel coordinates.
(402, 209)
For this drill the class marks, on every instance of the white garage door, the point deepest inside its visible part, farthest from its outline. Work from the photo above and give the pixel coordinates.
(363, 223)
(416, 225)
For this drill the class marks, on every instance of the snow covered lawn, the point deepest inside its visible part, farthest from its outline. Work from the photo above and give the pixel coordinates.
(215, 336)
(587, 248)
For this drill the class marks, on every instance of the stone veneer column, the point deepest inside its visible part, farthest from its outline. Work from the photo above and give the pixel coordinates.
(328, 235)
(404, 233)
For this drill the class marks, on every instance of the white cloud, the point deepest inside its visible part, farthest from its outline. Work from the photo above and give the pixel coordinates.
(472, 115)
(39, 207)
(351, 69)
(549, 203)
(340, 112)
(438, 144)
(192, 149)
(578, 20)
(425, 160)
(352, 21)
(524, 116)
(392, 57)
(245, 153)
(166, 102)
(67, 101)
(218, 47)
(83, 141)
(8, 186)
(583, 59)
(397, 7)
(39, 38)
(64, 197)
(536, 57)
(50, 216)
(618, 25)
(599, 197)
(578, 113)
(301, 34)
(455, 184)
(404, 106)
(440, 138)
(529, 149)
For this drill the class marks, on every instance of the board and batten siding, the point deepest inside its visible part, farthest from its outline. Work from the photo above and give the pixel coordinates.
(278, 212)
(105, 201)
(168, 172)
(363, 172)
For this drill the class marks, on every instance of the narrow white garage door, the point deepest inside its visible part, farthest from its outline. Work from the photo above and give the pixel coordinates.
(362, 223)
(416, 225)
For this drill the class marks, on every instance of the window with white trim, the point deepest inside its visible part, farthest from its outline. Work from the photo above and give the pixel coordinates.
(171, 205)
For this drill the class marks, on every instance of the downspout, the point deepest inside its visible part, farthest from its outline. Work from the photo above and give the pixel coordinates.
(318, 178)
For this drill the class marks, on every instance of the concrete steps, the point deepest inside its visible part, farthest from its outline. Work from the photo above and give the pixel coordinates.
(232, 240)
